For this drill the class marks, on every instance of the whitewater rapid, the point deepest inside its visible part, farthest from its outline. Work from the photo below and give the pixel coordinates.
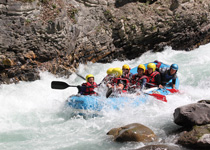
(33, 116)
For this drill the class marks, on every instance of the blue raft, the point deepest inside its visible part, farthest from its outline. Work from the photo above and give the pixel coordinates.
(97, 103)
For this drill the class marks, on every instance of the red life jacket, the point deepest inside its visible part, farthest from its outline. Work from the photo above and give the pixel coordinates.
(125, 81)
(127, 76)
(158, 64)
(152, 77)
(90, 88)
(137, 81)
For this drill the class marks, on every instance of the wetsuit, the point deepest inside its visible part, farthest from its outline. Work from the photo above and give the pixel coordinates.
(166, 76)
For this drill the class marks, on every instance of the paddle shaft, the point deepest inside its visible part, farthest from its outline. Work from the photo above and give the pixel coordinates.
(77, 74)
(62, 85)
(80, 76)
(170, 90)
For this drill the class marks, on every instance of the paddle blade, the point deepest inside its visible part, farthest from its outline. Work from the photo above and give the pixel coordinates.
(173, 90)
(109, 92)
(159, 97)
(59, 85)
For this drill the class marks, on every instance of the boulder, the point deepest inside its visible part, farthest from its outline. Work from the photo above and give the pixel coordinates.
(198, 137)
(160, 147)
(133, 132)
(193, 114)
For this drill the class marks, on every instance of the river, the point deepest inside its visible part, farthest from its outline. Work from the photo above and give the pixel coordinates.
(33, 116)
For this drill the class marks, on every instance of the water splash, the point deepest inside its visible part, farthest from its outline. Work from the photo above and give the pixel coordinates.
(33, 116)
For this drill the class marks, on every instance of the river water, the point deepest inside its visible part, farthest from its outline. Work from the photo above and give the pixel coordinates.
(33, 116)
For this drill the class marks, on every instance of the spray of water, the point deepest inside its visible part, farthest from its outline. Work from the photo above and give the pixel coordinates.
(34, 116)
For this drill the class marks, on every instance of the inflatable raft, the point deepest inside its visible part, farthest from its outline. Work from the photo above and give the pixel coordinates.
(97, 103)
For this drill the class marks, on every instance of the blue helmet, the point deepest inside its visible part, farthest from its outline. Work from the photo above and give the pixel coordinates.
(174, 66)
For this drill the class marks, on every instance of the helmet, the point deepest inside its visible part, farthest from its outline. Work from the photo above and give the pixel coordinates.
(117, 72)
(89, 76)
(142, 67)
(174, 66)
(125, 67)
(151, 65)
(109, 71)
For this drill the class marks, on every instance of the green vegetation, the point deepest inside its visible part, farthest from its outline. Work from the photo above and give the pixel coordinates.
(133, 27)
(54, 6)
(153, 28)
(27, 21)
(108, 15)
(72, 12)
(44, 1)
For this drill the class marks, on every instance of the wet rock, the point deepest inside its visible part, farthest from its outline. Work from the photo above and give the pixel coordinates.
(204, 101)
(198, 137)
(192, 114)
(160, 147)
(133, 132)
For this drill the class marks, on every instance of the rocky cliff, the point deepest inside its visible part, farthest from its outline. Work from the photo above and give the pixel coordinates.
(57, 35)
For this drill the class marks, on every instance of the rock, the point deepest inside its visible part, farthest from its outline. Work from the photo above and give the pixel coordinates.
(174, 5)
(7, 62)
(30, 55)
(204, 101)
(192, 114)
(133, 132)
(66, 33)
(198, 137)
(160, 147)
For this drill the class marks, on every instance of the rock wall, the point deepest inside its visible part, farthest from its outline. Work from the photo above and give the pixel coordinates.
(57, 35)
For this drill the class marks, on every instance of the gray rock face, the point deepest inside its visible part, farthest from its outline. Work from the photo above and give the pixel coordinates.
(193, 114)
(58, 35)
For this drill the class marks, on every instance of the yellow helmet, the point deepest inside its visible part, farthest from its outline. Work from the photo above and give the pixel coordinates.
(89, 76)
(151, 65)
(117, 72)
(109, 71)
(125, 67)
(142, 67)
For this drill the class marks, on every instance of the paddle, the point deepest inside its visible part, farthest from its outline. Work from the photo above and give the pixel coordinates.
(158, 96)
(80, 76)
(77, 74)
(109, 92)
(173, 90)
(170, 90)
(61, 85)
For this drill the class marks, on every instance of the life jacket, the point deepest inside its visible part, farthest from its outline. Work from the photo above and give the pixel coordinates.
(127, 76)
(158, 64)
(89, 90)
(136, 81)
(152, 77)
(166, 76)
(125, 83)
